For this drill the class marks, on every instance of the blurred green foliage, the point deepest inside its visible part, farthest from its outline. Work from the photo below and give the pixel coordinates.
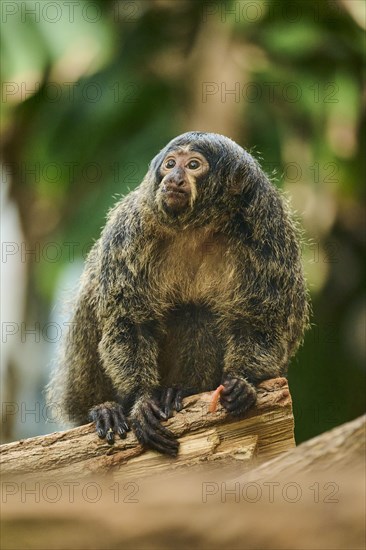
(90, 95)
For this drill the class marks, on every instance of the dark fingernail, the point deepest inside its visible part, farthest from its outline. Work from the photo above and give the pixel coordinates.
(126, 426)
(110, 437)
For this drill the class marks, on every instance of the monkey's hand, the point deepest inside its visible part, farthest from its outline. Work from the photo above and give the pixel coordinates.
(145, 421)
(238, 395)
(109, 419)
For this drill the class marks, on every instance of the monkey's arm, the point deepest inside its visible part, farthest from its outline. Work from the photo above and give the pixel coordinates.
(250, 357)
(128, 346)
(128, 352)
(257, 349)
(271, 307)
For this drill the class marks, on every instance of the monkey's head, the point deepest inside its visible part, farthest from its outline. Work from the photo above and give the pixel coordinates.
(199, 176)
(181, 171)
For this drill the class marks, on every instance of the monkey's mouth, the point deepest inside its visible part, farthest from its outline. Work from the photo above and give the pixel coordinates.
(175, 200)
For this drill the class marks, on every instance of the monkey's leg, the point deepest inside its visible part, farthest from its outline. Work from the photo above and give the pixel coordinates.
(109, 419)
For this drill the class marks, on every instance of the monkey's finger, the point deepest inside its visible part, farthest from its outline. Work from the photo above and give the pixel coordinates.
(232, 406)
(154, 423)
(243, 402)
(100, 428)
(148, 437)
(167, 405)
(156, 410)
(163, 447)
(102, 421)
(162, 395)
(122, 420)
(118, 422)
(159, 442)
(178, 401)
(154, 438)
(171, 451)
(229, 385)
(235, 392)
(110, 435)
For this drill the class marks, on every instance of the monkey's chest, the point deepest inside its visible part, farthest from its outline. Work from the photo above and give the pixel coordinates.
(195, 269)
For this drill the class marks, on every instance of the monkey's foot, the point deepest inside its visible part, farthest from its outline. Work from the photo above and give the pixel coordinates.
(145, 421)
(238, 395)
(109, 419)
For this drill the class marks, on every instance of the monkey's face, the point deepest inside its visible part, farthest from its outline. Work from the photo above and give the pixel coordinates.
(200, 178)
(180, 170)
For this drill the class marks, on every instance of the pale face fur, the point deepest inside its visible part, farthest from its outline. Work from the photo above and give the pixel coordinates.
(178, 187)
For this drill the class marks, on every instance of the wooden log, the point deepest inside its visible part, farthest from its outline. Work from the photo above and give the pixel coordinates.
(264, 432)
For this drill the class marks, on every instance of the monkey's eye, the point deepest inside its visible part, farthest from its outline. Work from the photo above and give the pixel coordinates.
(194, 164)
(170, 163)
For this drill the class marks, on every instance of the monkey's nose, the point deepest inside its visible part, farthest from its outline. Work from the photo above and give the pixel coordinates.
(175, 181)
(175, 185)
